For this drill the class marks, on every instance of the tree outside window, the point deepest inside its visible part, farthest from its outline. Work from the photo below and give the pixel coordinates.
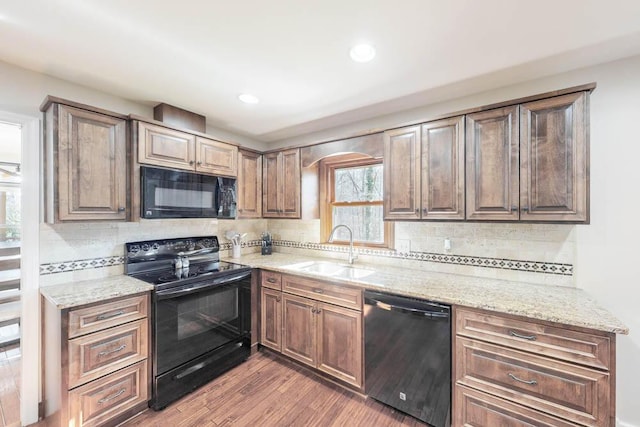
(352, 191)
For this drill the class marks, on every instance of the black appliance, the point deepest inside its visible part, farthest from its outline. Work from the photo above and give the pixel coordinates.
(169, 193)
(408, 355)
(201, 312)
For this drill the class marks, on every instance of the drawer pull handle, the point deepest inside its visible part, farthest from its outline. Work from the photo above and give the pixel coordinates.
(271, 280)
(318, 291)
(106, 353)
(531, 382)
(105, 316)
(113, 396)
(524, 337)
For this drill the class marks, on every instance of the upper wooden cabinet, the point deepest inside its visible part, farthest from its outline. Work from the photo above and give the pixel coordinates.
(554, 159)
(401, 173)
(492, 164)
(424, 171)
(216, 157)
(161, 146)
(281, 184)
(86, 164)
(529, 162)
(249, 200)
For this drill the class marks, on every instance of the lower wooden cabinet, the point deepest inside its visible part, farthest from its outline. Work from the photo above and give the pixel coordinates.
(325, 336)
(271, 318)
(516, 372)
(95, 361)
(477, 409)
(99, 401)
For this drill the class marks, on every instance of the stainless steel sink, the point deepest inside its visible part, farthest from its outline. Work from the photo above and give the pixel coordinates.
(331, 269)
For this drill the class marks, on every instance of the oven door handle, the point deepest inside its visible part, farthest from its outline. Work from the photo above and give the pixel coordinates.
(173, 293)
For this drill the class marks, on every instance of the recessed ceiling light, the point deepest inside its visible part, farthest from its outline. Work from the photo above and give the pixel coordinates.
(362, 52)
(247, 98)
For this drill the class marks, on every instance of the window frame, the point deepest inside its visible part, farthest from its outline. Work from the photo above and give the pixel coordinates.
(327, 198)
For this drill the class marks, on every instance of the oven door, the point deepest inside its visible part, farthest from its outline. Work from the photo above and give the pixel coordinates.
(198, 318)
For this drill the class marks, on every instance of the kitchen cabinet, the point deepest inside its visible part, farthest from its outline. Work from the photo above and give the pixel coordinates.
(529, 162)
(424, 171)
(97, 373)
(170, 148)
(531, 370)
(85, 163)
(493, 162)
(554, 159)
(281, 184)
(249, 184)
(321, 325)
(271, 310)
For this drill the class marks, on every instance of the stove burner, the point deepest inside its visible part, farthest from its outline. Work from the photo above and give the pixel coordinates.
(172, 277)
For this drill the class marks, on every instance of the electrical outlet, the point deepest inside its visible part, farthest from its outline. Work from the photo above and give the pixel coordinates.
(403, 396)
(403, 246)
(447, 244)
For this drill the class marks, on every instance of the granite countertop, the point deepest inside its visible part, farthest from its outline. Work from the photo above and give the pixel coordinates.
(73, 294)
(569, 306)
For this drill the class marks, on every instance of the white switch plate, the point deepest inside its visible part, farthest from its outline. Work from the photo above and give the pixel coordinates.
(404, 246)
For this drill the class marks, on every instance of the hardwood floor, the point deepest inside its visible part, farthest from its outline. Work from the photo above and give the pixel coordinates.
(270, 391)
(10, 386)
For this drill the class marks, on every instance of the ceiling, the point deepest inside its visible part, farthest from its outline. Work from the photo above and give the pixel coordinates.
(294, 55)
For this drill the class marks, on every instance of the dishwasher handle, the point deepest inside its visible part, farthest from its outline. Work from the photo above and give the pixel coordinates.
(436, 311)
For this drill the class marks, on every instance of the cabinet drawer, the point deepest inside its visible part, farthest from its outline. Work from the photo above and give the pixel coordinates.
(323, 291)
(575, 393)
(271, 280)
(566, 344)
(99, 401)
(92, 356)
(98, 317)
(476, 409)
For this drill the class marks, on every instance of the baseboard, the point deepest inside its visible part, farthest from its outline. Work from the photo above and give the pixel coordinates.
(620, 423)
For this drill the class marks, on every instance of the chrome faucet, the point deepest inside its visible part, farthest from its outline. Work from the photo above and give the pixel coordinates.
(352, 255)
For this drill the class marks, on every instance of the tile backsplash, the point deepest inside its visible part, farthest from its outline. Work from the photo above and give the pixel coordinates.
(84, 251)
(535, 253)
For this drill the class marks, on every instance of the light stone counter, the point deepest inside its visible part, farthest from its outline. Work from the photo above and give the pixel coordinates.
(569, 306)
(73, 294)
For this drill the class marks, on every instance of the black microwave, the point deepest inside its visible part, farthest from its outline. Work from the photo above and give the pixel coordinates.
(170, 193)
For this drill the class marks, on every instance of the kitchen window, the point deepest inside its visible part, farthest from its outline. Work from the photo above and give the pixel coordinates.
(351, 194)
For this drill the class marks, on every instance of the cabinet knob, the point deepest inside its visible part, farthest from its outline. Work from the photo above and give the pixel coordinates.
(199, 163)
(191, 162)
(121, 209)
(277, 299)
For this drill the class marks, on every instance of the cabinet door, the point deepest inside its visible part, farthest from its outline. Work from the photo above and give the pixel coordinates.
(290, 184)
(402, 173)
(92, 172)
(442, 169)
(281, 184)
(270, 181)
(340, 343)
(170, 148)
(492, 165)
(554, 168)
(299, 329)
(249, 185)
(271, 319)
(216, 158)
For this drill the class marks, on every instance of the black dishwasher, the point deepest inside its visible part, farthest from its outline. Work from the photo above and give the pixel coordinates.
(408, 355)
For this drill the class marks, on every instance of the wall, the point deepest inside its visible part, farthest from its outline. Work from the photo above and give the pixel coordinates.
(605, 252)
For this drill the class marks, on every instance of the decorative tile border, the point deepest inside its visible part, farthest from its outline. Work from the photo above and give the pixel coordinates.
(82, 264)
(474, 261)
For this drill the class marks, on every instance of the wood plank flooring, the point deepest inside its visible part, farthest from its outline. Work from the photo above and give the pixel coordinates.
(10, 367)
(270, 391)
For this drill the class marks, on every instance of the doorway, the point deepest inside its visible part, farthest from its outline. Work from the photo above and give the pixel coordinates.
(19, 259)
(10, 249)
